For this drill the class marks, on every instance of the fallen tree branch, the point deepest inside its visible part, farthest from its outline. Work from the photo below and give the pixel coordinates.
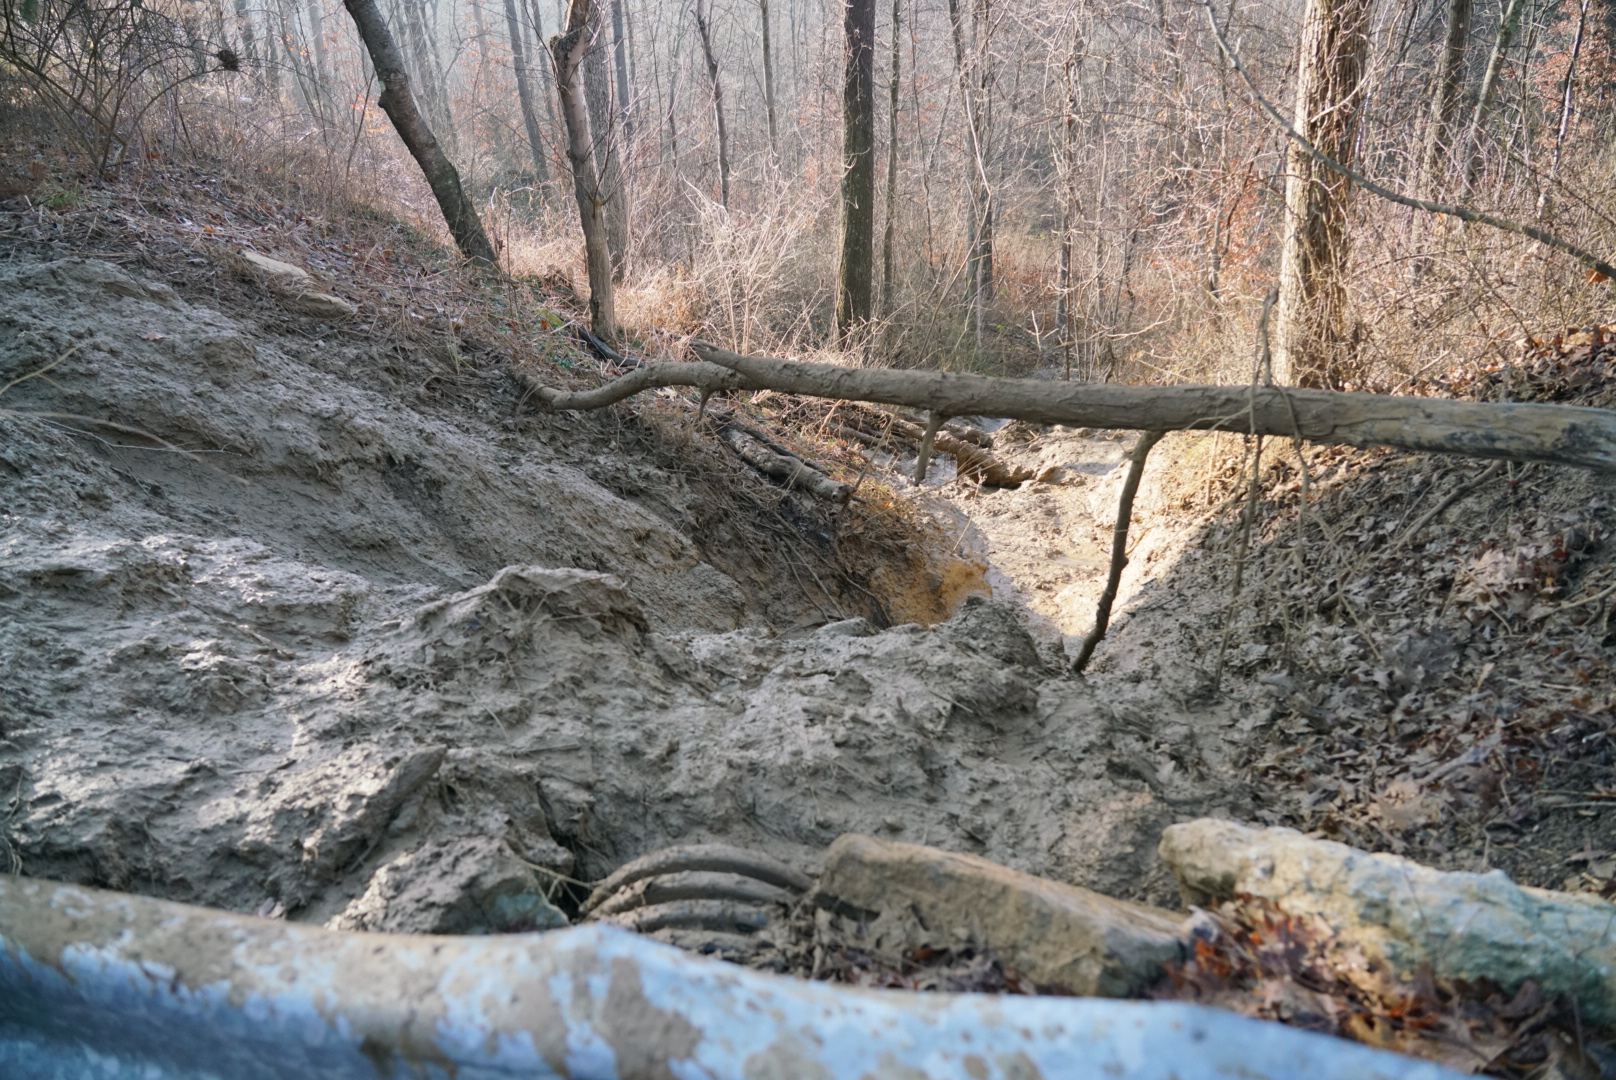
(1564, 434)
(794, 472)
(706, 377)
(1119, 545)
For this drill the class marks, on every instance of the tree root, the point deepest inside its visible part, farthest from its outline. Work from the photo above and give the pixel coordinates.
(714, 857)
(691, 885)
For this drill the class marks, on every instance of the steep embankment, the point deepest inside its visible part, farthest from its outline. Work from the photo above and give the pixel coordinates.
(400, 658)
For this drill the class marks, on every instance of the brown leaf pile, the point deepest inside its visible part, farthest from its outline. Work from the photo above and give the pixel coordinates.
(1254, 959)
(1575, 367)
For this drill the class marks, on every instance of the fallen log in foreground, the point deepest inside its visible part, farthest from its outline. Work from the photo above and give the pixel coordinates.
(1568, 435)
(120, 986)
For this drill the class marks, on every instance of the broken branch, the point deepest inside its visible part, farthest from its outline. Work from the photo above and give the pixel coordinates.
(1119, 545)
(793, 471)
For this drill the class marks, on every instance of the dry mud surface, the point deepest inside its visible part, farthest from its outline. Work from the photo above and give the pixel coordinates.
(367, 660)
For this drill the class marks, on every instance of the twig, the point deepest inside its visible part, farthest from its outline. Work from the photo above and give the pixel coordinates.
(933, 422)
(1119, 545)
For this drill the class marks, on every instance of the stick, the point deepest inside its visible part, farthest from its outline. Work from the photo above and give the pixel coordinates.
(933, 422)
(1119, 545)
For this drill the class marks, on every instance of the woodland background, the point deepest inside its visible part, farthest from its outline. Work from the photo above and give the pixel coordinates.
(1084, 184)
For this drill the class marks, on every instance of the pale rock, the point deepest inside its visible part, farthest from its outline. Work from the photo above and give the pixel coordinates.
(274, 269)
(1057, 935)
(322, 305)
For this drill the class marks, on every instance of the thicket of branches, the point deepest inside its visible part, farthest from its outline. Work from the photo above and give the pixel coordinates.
(1085, 183)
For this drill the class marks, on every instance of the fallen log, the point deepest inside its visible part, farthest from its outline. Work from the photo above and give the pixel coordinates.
(969, 461)
(706, 377)
(793, 471)
(1564, 434)
(96, 983)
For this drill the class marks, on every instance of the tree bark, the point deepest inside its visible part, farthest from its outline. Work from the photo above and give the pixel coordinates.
(1313, 348)
(890, 234)
(569, 49)
(855, 287)
(524, 94)
(397, 102)
(768, 80)
(718, 102)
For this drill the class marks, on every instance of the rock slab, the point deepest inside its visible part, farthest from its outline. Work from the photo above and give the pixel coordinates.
(1058, 935)
(1466, 926)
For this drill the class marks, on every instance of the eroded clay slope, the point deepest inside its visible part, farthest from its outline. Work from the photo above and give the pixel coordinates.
(365, 663)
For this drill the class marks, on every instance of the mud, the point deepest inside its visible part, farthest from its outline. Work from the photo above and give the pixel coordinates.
(389, 666)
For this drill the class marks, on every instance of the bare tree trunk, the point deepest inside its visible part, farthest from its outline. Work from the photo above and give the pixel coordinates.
(768, 80)
(546, 86)
(1445, 101)
(607, 134)
(718, 102)
(524, 94)
(975, 75)
(1070, 206)
(1508, 24)
(888, 237)
(569, 49)
(400, 108)
(625, 101)
(856, 285)
(322, 68)
(1566, 96)
(1312, 347)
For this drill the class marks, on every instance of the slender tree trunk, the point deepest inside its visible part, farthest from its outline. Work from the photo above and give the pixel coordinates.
(524, 94)
(1566, 96)
(1445, 100)
(625, 102)
(397, 102)
(1507, 26)
(569, 50)
(718, 102)
(768, 80)
(673, 104)
(546, 84)
(856, 285)
(975, 82)
(603, 124)
(322, 70)
(890, 235)
(1312, 348)
(1070, 207)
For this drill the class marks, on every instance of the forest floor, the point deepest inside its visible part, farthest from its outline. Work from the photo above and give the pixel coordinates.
(313, 614)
